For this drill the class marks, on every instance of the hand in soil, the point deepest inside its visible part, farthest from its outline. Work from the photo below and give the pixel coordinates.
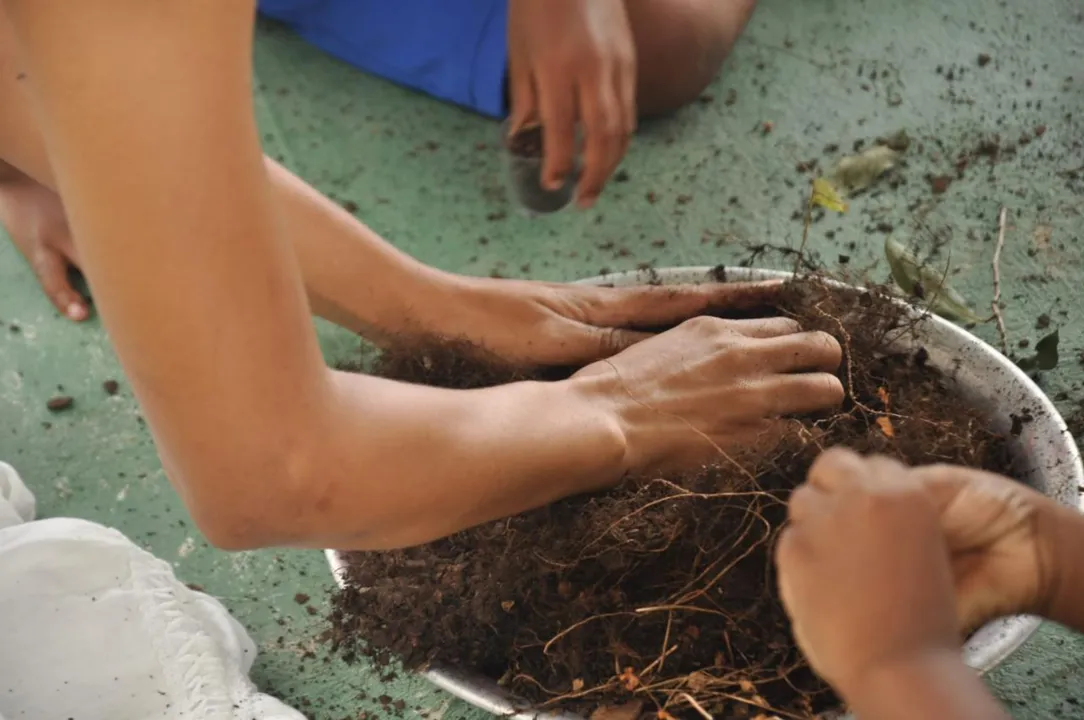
(691, 395)
(864, 569)
(34, 219)
(548, 324)
(569, 63)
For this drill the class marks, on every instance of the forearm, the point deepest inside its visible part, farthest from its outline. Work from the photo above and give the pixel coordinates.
(352, 276)
(937, 685)
(393, 465)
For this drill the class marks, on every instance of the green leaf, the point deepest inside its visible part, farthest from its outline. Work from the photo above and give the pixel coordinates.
(918, 281)
(1046, 354)
(855, 173)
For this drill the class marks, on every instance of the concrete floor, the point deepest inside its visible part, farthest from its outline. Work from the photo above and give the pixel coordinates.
(708, 182)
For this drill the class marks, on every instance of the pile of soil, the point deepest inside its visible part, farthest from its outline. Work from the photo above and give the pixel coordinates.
(661, 591)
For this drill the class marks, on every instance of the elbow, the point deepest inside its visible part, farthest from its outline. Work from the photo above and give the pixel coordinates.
(234, 524)
(233, 532)
(254, 503)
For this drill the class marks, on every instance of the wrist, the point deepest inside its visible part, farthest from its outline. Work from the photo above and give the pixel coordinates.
(593, 395)
(1060, 532)
(933, 682)
(889, 675)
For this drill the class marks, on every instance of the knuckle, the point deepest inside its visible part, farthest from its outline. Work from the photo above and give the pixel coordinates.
(828, 342)
(830, 387)
(758, 398)
(834, 460)
(612, 341)
(703, 325)
(788, 325)
(607, 126)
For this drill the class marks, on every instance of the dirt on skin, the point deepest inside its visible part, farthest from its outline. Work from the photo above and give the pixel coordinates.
(661, 591)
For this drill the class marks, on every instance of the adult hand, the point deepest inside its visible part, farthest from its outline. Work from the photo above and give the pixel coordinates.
(539, 323)
(574, 61)
(708, 385)
(864, 570)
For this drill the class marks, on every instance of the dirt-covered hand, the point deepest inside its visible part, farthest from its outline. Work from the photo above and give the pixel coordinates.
(573, 62)
(1001, 537)
(538, 323)
(864, 569)
(710, 385)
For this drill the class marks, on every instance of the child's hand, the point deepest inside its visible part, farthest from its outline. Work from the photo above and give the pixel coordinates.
(864, 569)
(1001, 539)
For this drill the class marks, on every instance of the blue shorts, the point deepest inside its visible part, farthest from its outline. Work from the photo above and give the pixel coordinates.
(454, 50)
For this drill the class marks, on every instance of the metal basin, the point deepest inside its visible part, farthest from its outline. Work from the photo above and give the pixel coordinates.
(984, 376)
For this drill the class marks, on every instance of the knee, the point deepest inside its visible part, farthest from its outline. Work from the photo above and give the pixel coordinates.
(681, 45)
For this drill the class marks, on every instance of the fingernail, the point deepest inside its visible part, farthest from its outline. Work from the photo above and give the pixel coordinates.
(554, 184)
(76, 311)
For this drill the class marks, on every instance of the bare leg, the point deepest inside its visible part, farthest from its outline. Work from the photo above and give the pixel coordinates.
(681, 45)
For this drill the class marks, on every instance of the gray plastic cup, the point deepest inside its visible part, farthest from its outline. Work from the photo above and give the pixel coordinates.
(523, 158)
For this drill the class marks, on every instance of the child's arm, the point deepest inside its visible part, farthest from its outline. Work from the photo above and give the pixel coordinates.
(935, 685)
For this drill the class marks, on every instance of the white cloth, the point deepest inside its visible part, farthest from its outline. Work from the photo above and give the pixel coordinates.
(94, 628)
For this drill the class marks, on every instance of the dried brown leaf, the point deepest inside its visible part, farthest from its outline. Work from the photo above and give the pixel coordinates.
(628, 711)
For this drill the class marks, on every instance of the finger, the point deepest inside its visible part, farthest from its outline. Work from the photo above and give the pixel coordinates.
(51, 269)
(977, 508)
(806, 502)
(765, 327)
(945, 482)
(660, 305)
(524, 110)
(839, 470)
(835, 469)
(557, 106)
(799, 352)
(791, 551)
(782, 395)
(626, 100)
(606, 138)
(626, 95)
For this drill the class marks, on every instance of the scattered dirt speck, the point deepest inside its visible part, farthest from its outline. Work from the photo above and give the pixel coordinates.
(60, 403)
(939, 184)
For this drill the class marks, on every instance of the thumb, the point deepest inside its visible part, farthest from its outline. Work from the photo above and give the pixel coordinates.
(51, 269)
(979, 599)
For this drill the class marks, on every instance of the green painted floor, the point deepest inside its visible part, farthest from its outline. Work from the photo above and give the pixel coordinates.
(708, 183)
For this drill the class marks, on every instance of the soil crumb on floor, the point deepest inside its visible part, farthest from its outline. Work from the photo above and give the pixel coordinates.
(661, 592)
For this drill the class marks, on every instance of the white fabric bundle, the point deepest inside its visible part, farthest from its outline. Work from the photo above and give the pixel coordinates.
(94, 628)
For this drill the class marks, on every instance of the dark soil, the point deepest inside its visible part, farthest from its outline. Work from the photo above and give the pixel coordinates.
(662, 590)
(526, 143)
